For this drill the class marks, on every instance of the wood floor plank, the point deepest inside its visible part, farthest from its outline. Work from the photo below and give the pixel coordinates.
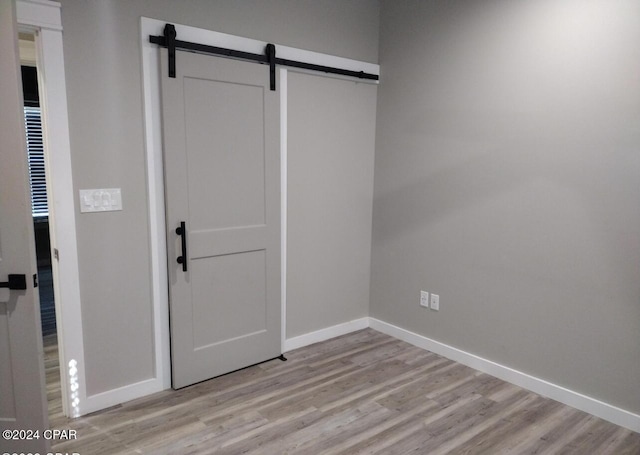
(536, 431)
(630, 445)
(450, 429)
(593, 441)
(611, 446)
(386, 441)
(279, 398)
(257, 439)
(492, 437)
(378, 390)
(328, 429)
(558, 438)
(361, 393)
(330, 440)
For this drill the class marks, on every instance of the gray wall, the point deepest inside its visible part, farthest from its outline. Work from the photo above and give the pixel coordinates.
(330, 193)
(507, 181)
(103, 71)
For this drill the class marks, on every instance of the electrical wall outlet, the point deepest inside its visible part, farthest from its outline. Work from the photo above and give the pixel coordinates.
(424, 299)
(435, 302)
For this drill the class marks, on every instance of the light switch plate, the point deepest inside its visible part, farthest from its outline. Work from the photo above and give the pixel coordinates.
(100, 200)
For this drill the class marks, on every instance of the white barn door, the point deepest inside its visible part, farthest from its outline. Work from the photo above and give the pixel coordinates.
(222, 184)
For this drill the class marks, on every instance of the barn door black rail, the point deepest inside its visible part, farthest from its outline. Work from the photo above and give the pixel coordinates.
(169, 41)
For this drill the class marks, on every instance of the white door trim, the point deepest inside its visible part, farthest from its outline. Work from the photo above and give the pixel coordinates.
(283, 87)
(155, 170)
(43, 18)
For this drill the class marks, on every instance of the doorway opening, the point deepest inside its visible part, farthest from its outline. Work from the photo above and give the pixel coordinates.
(40, 213)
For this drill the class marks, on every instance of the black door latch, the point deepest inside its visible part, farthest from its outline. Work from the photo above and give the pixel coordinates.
(16, 282)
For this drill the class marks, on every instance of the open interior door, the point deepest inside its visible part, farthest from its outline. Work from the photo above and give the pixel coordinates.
(23, 403)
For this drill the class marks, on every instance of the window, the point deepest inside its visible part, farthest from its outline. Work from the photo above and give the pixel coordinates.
(35, 150)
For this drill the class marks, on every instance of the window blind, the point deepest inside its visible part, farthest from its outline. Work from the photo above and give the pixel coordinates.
(35, 150)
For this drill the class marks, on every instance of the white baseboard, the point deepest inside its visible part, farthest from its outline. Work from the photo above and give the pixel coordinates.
(540, 386)
(120, 395)
(324, 334)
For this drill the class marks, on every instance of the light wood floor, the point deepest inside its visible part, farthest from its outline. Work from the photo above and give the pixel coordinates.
(52, 377)
(361, 393)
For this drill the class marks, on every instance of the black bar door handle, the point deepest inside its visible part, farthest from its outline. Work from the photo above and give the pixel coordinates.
(182, 232)
(16, 282)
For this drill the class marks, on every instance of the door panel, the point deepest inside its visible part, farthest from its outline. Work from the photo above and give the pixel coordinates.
(220, 112)
(234, 287)
(22, 397)
(222, 178)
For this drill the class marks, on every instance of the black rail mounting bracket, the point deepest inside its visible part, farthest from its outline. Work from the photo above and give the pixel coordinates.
(170, 39)
(271, 57)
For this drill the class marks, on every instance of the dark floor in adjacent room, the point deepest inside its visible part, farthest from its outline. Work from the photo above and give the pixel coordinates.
(47, 302)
